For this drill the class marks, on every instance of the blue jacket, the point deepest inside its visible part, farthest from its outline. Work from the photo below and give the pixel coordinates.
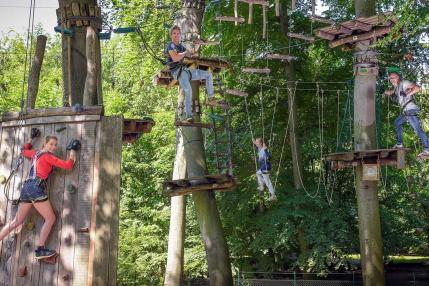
(264, 160)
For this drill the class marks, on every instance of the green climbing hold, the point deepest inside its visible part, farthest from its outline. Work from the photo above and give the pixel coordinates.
(71, 188)
(124, 30)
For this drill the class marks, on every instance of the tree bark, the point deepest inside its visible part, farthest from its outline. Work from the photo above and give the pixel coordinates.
(219, 265)
(34, 77)
(371, 246)
(174, 269)
(74, 51)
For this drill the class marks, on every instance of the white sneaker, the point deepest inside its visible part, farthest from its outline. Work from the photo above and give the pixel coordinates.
(424, 153)
(272, 198)
(398, 145)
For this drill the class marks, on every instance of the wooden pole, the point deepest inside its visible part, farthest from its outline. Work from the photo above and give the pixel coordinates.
(264, 22)
(250, 20)
(33, 79)
(236, 11)
(90, 90)
(176, 237)
(371, 246)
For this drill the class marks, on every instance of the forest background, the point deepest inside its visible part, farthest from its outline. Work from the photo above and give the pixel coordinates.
(313, 229)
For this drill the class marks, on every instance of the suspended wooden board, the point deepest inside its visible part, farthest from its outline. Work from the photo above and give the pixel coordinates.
(280, 57)
(256, 2)
(134, 128)
(256, 70)
(319, 19)
(186, 186)
(384, 157)
(194, 124)
(301, 37)
(230, 19)
(360, 29)
(164, 77)
(236, 92)
(422, 157)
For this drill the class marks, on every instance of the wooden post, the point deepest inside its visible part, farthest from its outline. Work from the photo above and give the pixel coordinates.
(90, 91)
(176, 237)
(33, 79)
(236, 11)
(264, 22)
(250, 20)
(371, 246)
(277, 7)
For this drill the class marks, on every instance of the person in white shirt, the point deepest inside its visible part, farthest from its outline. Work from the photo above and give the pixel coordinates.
(404, 94)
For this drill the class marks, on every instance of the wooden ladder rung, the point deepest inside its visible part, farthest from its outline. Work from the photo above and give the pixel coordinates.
(319, 19)
(194, 124)
(256, 2)
(256, 70)
(236, 92)
(230, 19)
(301, 36)
(210, 43)
(280, 57)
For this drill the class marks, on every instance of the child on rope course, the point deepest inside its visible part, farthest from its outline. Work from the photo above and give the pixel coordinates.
(34, 193)
(263, 173)
(404, 93)
(176, 52)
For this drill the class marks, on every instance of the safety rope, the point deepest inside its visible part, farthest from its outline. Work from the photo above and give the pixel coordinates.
(271, 138)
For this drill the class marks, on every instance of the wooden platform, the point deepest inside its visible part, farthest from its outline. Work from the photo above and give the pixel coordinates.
(215, 65)
(384, 157)
(363, 28)
(134, 128)
(196, 184)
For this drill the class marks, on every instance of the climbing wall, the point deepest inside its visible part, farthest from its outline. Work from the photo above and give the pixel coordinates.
(86, 230)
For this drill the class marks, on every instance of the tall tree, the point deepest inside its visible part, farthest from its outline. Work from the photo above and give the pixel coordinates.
(371, 247)
(219, 266)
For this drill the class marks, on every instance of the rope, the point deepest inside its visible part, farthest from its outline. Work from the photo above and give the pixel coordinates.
(251, 131)
(262, 113)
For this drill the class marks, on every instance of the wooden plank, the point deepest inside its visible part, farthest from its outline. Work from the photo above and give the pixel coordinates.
(236, 92)
(56, 197)
(256, 70)
(76, 12)
(52, 120)
(106, 205)
(214, 63)
(189, 185)
(343, 30)
(47, 112)
(358, 25)
(69, 215)
(280, 57)
(325, 35)
(256, 2)
(85, 187)
(319, 19)
(230, 19)
(194, 124)
(365, 36)
(301, 37)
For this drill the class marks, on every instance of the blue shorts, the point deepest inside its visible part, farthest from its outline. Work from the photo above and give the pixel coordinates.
(33, 191)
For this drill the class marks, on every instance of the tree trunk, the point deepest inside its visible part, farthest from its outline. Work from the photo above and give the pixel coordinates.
(74, 50)
(174, 270)
(371, 247)
(219, 265)
(36, 66)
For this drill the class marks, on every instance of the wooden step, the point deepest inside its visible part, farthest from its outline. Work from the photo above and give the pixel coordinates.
(194, 124)
(256, 70)
(301, 37)
(236, 92)
(256, 2)
(230, 19)
(197, 184)
(280, 57)
(319, 19)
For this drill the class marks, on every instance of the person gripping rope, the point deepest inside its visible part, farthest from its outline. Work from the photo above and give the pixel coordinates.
(263, 173)
(34, 192)
(175, 53)
(403, 93)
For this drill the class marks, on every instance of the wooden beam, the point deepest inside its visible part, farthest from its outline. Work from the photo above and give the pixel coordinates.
(236, 92)
(264, 22)
(256, 2)
(277, 8)
(357, 38)
(250, 18)
(343, 30)
(52, 120)
(325, 35)
(280, 57)
(47, 112)
(236, 11)
(301, 36)
(319, 19)
(230, 19)
(193, 184)
(90, 89)
(256, 70)
(36, 66)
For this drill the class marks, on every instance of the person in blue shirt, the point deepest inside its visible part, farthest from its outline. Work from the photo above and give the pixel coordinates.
(175, 53)
(263, 173)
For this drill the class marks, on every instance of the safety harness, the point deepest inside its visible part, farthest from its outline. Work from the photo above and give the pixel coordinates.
(32, 176)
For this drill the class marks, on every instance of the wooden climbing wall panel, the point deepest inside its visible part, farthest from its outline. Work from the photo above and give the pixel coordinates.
(85, 233)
